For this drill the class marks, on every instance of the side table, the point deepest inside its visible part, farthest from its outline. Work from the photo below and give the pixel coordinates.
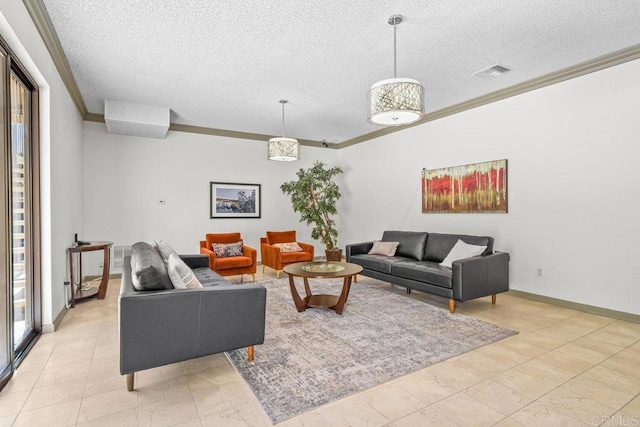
(78, 293)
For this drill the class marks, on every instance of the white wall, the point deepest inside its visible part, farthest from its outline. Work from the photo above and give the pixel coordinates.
(125, 177)
(61, 155)
(573, 152)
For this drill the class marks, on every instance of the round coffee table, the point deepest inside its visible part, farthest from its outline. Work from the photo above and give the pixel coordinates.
(322, 270)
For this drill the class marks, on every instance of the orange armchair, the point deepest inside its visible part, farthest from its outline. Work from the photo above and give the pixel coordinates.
(232, 265)
(273, 257)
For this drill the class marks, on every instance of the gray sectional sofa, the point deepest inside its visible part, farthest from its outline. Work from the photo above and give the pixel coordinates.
(166, 325)
(416, 265)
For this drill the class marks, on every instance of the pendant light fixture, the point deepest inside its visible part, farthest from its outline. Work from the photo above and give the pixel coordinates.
(283, 149)
(396, 101)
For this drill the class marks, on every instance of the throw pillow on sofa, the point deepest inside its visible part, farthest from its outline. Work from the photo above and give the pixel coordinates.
(180, 274)
(164, 249)
(462, 250)
(148, 271)
(384, 248)
(224, 250)
(288, 247)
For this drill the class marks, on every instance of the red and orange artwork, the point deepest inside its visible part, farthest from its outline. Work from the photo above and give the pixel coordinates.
(478, 187)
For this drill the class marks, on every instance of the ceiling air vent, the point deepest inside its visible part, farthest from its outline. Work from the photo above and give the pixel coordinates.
(493, 71)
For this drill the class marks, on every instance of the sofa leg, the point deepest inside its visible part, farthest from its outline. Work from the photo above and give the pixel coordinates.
(130, 378)
(242, 278)
(250, 353)
(408, 291)
(278, 273)
(262, 268)
(452, 306)
(253, 276)
(355, 278)
(493, 299)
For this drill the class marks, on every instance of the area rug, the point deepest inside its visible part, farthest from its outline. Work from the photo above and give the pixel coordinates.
(311, 358)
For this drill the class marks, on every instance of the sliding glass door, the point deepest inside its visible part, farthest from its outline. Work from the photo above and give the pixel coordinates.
(19, 221)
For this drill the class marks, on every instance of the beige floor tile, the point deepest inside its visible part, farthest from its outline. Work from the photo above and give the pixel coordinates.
(608, 393)
(392, 401)
(585, 323)
(162, 390)
(352, 411)
(431, 385)
(538, 414)
(244, 414)
(160, 374)
(308, 419)
(625, 363)
(97, 384)
(21, 381)
(497, 396)
(507, 422)
(62, 414)
(532, 379)
(108, 403)
(33, 363)
(570, 364)
(54, 394)
(105, 365)
(128, 418)
(633, 407)
(620, 333)
(12, 403)
(60, 374)
(7, 420)
(424, 417)
(168, 412)
(465, 410)
(222, 398)
(575, 406)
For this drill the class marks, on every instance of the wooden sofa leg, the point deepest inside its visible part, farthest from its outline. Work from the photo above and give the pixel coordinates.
(493, 299)
(242, 278)
(262, 268)
(130, 379)
(408, 291)
(253, 276)
(250, 353)
(452, 306)
(355, 278)
(278, 273)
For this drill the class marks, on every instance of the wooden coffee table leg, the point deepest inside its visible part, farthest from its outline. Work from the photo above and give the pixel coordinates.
(346, 286)
(307, 289)
(300, 305)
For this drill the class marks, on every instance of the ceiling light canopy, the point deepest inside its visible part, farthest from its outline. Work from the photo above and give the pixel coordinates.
(396, 101)
(283, 149)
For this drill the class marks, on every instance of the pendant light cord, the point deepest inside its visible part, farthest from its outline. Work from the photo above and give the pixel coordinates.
(283, 119)
(394, 49)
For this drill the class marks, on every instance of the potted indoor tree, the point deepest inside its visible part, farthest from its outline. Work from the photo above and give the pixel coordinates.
(314, 195)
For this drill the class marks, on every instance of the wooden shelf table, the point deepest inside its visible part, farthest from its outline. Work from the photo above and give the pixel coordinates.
(78, 293)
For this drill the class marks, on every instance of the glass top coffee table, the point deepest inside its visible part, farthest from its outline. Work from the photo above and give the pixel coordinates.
(323, 270)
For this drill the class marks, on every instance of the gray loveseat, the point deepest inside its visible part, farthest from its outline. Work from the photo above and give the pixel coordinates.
(167, 325)
(416, 265)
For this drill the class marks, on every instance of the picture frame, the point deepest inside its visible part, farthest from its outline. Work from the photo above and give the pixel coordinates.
(234, 200)
(473, 188)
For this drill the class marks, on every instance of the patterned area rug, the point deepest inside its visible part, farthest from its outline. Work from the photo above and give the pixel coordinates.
(315, 357)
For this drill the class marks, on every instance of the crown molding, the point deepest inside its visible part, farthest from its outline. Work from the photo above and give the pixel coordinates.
(40, 18)
(178, 127)
(597, 64)
(43, 23)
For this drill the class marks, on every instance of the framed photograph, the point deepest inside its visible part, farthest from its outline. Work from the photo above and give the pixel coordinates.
(231, 200)
(474, 188)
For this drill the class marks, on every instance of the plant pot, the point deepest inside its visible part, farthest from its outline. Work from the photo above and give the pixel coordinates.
(334, 254)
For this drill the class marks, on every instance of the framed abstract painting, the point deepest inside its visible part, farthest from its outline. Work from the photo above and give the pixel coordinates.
(474, 188)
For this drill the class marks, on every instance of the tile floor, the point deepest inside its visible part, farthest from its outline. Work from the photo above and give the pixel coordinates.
(565, 367)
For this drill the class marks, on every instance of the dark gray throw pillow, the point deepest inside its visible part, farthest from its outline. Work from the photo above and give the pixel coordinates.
(148, 272)
(411, 243)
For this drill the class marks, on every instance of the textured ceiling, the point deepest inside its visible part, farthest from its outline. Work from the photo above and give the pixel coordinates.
(225, 64)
